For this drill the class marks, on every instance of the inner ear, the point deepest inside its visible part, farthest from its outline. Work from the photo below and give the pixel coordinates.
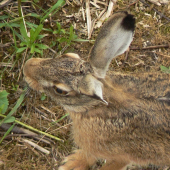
(90, 86)
(100, 99)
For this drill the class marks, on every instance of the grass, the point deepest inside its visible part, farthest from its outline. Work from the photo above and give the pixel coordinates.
(27, 38)
(30, 43)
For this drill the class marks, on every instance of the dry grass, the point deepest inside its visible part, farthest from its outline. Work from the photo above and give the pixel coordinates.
(152, 29)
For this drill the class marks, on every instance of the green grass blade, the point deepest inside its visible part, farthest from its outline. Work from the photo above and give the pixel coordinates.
(12, 23)
(21, 49)
(165, 69)
(10, 120)
(60, 118)
(23, 29)
(33, 129)
(81, 40)
(19, 36)
(34, 15)
(35, 34)
(3, 17)
(3, 101)
(41, 46)
(55, 7)
(7, 132)
(9, 25)
(34, 26)
(19, 101)
(41, 36)
(32, 48)
(15, 41)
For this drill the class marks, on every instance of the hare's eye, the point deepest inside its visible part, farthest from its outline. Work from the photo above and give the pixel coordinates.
(59, 91)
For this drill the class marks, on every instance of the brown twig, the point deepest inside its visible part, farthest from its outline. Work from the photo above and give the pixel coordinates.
(88, 16)
(133, 3)
(126, 57)
(28, 133)
(150, 47)
(105, 13)
(4, 3)
(162, 15)
(36, 146)
(16, 135)
(163, 55)
(22, 64)
(5, 45)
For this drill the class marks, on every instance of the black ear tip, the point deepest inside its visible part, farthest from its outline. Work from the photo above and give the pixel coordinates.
(128, 22)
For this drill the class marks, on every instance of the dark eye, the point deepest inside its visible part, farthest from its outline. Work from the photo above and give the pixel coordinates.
(59, 91)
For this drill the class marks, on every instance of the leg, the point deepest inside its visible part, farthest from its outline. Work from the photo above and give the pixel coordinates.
(78, 161)
(115, 165)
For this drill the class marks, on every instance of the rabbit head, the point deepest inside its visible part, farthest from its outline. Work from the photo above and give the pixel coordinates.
(73, 83)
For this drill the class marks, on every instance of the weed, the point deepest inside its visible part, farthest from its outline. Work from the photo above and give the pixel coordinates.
(43, 96)
(165, 69)
(3, 101)
(30, 40)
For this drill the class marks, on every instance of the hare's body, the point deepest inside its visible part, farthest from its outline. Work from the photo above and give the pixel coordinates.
(134, 127)
(123, 118)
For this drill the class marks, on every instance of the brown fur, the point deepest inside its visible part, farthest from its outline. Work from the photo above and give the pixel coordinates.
(122, 118)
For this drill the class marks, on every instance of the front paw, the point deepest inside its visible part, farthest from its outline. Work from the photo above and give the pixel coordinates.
(74, 162)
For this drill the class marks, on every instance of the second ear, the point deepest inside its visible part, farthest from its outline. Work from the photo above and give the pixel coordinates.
(90, 86)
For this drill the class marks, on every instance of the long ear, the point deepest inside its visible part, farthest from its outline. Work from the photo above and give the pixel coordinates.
(113, 39)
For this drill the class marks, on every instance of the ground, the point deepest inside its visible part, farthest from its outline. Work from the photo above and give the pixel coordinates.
(152, 31)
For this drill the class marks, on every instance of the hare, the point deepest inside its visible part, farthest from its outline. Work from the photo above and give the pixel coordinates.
(122, 118)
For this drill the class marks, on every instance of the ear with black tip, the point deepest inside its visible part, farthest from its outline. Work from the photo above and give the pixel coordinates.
(113, 39)
(92, 87)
